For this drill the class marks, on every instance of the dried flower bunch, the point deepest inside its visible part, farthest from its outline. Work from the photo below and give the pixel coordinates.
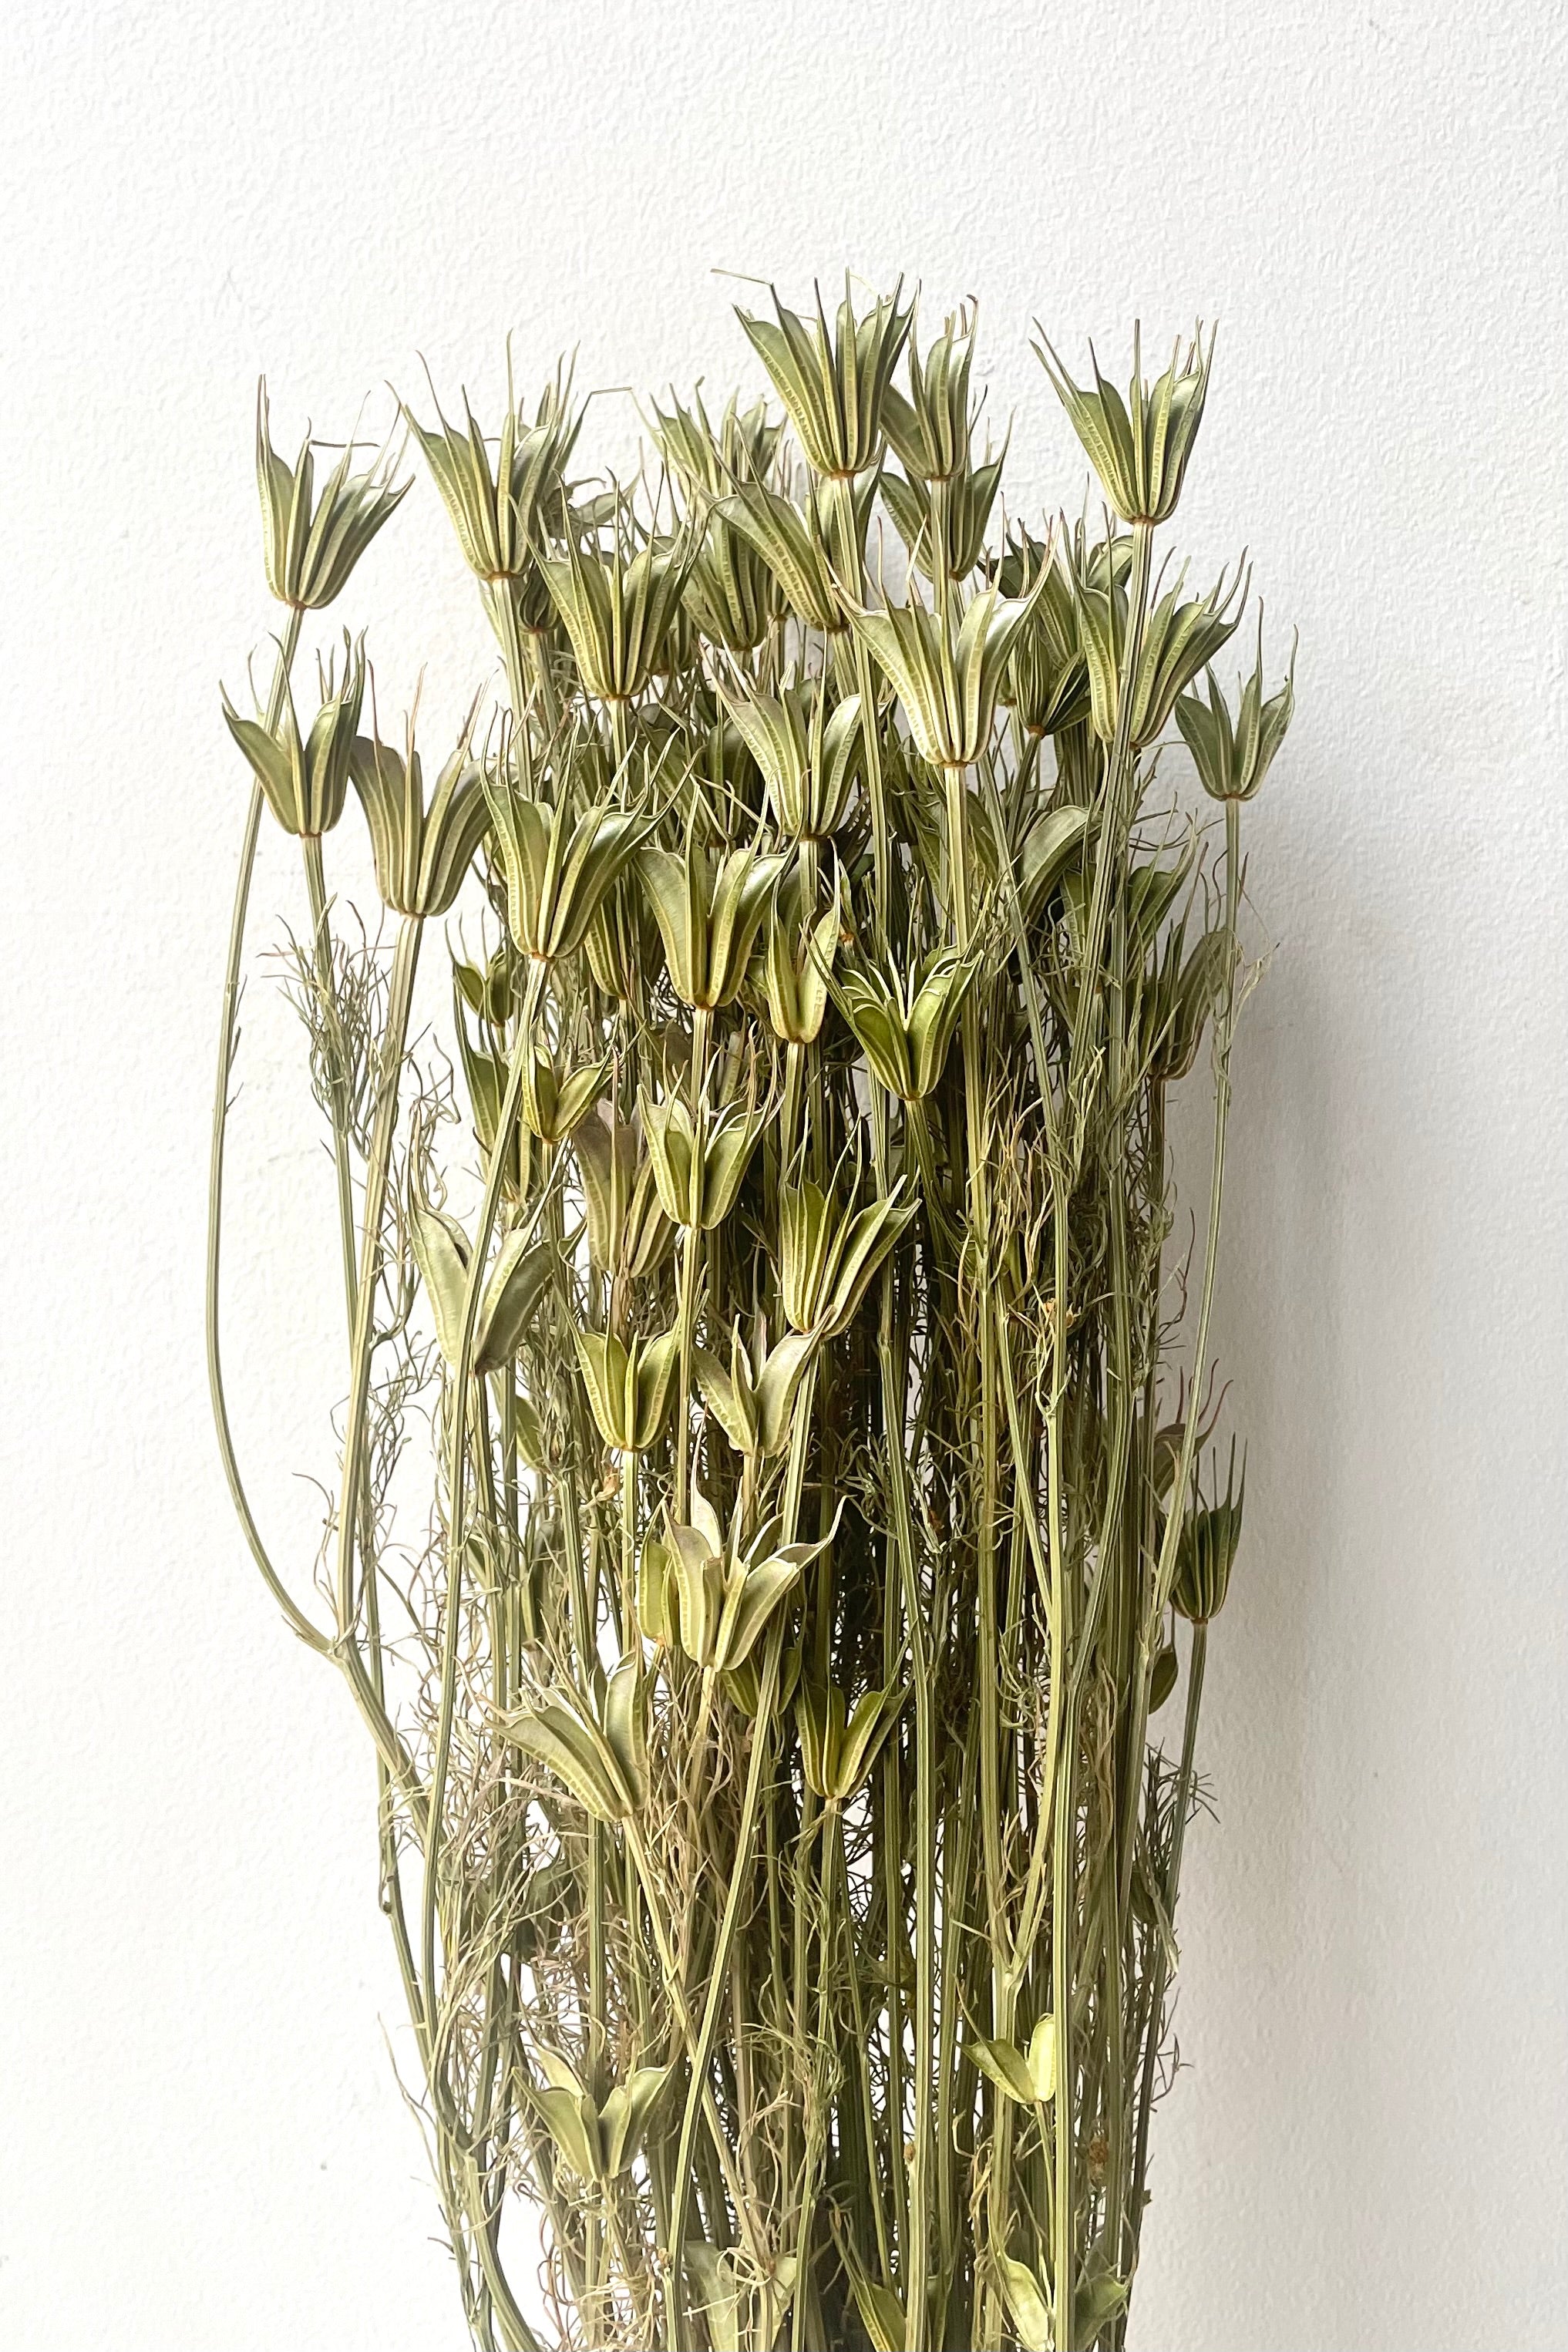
(764, 1663)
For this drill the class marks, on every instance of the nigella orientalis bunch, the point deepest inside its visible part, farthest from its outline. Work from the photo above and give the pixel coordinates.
(782, 1670)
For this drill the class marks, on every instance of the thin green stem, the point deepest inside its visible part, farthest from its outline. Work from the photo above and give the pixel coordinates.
(229, 1038)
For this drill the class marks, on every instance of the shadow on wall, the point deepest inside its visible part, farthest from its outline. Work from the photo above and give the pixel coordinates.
(1262, 2121)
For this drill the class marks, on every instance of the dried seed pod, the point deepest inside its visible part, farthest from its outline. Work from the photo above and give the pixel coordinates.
(311, 545)
(306, 780)
(514, 1286)
(837, 1748)
(797, 963)
(709, 460)
(1233, 756)
(699, 1159)
(946, 675)
(809, 761)
(904, 1021)
(628, 1231)
(504, 517)
(709, 911)
(1185, 996)
(618, 610)
(557, 868)
(422, 853)
(1178, 638)
(752, 1402)
(1027, 2075)
(930, 431)
(1140, 447)
(601, 1756)
(794, 547)
(629, 1385)
(1208, 1551)
(943, 525)
(554, 1098)
(827, 1256)
(834, 380)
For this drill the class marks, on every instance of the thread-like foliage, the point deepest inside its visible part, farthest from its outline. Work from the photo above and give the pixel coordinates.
(778, 1840)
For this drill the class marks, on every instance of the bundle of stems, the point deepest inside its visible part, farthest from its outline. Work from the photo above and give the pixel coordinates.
(764, 1659)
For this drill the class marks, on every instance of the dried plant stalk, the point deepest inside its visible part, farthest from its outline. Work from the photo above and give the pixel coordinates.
(780, 1849)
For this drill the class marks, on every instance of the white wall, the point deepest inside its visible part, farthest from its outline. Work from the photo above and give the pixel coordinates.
(203, 2146)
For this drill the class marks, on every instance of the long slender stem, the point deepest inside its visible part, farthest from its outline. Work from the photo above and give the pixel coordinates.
(228, 1034)
(741, 1888)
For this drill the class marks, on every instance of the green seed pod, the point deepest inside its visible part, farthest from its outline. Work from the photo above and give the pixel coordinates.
(695, 1551)
(942, 510)
(311, 547)
(625, 2117)
(306, 782)
(656, 1595)
(820, 1715)
(629, 1385)
(541, 1565)
(699, 1161)
(598, 2143)
(732, 596)
(485, 1074)
(946, 679)
(422, 854)
(744, 1685)
(1207, 1550)
(617, 611)
(1029, 2305)
(809, 761)
(1140, 447)
(1050, 847)
(732, 592)
(1232, 756)
(569, 2114)
(709, 911)
(557, 871)
(622, 943)
(834, 381)
(491, 993)
(754, 1592)
(828, 1257)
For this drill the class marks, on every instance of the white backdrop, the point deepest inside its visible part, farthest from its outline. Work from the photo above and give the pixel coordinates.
(203, 2145)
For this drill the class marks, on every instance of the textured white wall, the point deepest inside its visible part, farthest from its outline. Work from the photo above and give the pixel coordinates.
(203, 2146)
